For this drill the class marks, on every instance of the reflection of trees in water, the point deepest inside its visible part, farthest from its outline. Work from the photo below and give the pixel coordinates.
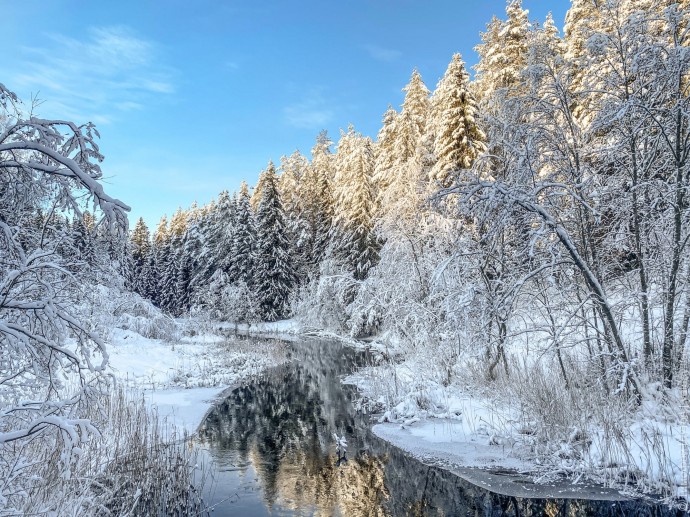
(283, 422)
(356, 488)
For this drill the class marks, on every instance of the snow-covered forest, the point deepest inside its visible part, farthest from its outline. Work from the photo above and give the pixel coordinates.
(518, 234)
(524, 232)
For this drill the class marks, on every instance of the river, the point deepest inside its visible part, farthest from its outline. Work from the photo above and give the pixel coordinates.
(271, 448)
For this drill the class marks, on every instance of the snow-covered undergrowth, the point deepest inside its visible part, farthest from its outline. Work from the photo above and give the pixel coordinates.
(149, 350)
(126, 461)
(530, 422)
(130, 451)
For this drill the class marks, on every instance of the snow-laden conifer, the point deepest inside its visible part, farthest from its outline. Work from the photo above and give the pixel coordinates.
(458, 137)
(244, 242)
(273, 276)
(140, 249)
(503, 52)
(353, 243)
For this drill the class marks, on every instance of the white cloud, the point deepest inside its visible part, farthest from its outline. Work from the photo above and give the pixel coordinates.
(311, 112)
(382, 54)
(108, 72)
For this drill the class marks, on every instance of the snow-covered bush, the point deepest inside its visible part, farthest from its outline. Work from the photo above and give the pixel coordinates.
(224, 300)
(118, 308)
(135, 464)
(323, 302)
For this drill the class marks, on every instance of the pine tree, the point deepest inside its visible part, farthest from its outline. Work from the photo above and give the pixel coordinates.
(459, 140)
(273, 273)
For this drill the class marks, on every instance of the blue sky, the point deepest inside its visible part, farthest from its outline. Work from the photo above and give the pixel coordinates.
(192, 97)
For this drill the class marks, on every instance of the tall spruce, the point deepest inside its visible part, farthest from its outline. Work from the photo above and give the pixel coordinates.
(353, 243)
(141, 249)
(384, 151)
(244, 242)
(274, 276)
(503, 53)
(293, 193)
(459, 139)
(410, 124)
(160, 255)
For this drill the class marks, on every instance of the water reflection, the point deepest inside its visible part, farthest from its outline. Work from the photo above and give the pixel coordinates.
(282, 425)
(274, 452)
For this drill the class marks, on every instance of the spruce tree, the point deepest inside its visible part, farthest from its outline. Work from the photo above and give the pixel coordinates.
(222, 234)
(273, 273)
(583, 19)
(410, 126)
(170, 296)
(503, 53)
(459, 140)
(82, 241)
(409, 146)
(353, 243)
(141, 249)
(319, 199)
(159, 262)
(184, 272)
(242, 265)
(293, 196)
(256, 192)
(384, 150)
(204, 268)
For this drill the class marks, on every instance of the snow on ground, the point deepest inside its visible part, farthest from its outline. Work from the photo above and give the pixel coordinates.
(182, 380)
(451, 443)
(184, 408)
(453, 429)
(457, 428)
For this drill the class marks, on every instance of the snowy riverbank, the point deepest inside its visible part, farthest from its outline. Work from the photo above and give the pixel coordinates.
(459, 426)
(455, 426)
(181, 380)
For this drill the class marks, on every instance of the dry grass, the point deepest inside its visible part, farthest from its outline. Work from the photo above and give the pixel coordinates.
(138, 465)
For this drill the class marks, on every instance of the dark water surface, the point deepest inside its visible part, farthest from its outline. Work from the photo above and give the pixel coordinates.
(272, 451)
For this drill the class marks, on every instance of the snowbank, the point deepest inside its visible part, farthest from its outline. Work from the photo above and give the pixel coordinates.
(461, 427)
(182, 380)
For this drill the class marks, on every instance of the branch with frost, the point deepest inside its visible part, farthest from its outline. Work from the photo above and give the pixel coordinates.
(51, 362)
(498, 194)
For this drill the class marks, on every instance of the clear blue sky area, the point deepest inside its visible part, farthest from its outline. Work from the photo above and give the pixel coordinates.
(192, 97)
